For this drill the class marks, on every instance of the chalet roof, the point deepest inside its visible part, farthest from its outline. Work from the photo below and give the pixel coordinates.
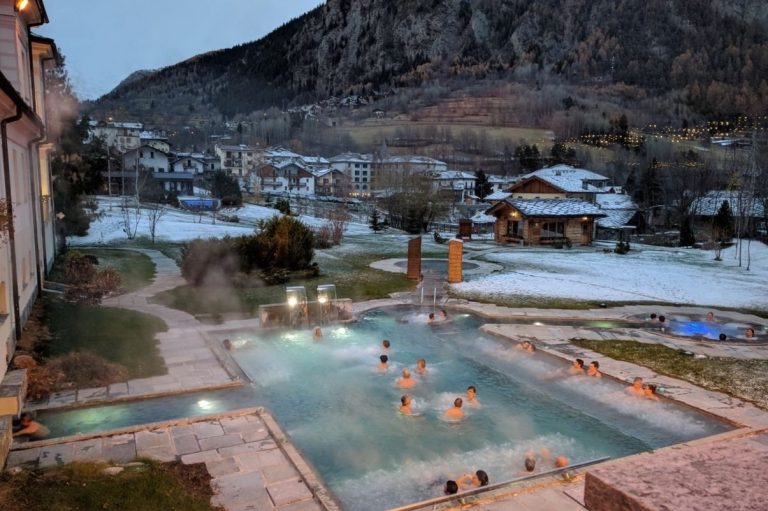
(710, 204)
(417, 160)
(497, 179)
(127, 125)
(151, 135)
(324, 172)
(314, 160)
(567, 178)
(551, 207)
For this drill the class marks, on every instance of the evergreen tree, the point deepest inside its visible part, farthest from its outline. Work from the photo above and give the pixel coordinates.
(374, 221)
(225, 187)
(687, 237)
(482, 186)
(722, 223)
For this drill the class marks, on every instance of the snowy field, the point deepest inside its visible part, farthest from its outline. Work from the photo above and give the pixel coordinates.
(178, 226)
(647, 273)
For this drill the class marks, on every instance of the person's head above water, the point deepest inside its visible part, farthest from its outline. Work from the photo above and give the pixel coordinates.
(451, 487)
(595, 364)
(710, 316)
(530, 463)
(458, 402)
(384, 359)
(431, 315)
(482, 477)
(749, 332)
(578, 363)
(385, 343)
(406, 373)
(471, 392)
(405, 400)
(421, 363)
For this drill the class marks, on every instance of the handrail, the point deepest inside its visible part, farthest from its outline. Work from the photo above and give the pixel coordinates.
(483, 489)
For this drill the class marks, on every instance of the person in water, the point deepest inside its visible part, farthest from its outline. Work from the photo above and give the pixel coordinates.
(406, 382)
(476, 480)
(529, 463)
(455, 412)
(451, 488)
(472, 395)
(561, 462)
(421, 366)
(431, 317)
(649, 392)
(749, 333)
(710, 316)
(636, 389)
(405, 404)
(317, 333)
(594, 369)
(31, 429)
(227, 345)
(443, 315)
(383, 363)
(577, 368)
(385, 346)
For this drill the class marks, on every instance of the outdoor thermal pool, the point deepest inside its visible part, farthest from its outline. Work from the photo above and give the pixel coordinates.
(342, 414)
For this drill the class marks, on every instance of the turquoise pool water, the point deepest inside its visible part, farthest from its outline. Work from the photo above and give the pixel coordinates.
(342, 414)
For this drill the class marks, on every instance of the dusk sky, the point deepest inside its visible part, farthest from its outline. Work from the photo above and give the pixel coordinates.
(104, 41)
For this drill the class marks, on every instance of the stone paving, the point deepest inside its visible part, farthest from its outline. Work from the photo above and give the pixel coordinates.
(192, 362)
(252, 465)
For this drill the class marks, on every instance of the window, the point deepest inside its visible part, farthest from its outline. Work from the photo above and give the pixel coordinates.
(553, 230)
(357, 165)
(151, 154)
(357, 172)
(141, 154)
(515, 229)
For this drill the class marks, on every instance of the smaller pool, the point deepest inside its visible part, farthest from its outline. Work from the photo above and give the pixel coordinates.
(436, 265)
(701, 328)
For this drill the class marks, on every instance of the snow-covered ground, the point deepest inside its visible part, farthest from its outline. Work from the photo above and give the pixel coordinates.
(647, 273)
(178, 225)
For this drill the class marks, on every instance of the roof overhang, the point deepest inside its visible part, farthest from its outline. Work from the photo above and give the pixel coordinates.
(48, 47)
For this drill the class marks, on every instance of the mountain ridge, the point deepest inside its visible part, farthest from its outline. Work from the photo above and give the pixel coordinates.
(713, 53)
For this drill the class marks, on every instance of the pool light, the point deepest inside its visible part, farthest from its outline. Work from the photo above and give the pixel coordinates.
(326, 293)
(204, 404)
(295, 295)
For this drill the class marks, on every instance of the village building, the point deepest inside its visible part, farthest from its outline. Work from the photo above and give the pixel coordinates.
(121, 136)
(331, 182)
(287, 178)
(622, 217)
(157, 140)
(236, 160)
(457, 184)
(146, 159)
(550, 206)
(358, 168)
(28, 241)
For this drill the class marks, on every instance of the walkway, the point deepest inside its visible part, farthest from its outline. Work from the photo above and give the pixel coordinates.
(252, 465)
(191, 360)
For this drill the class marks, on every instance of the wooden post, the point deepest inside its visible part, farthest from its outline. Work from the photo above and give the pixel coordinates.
(414, 259)
(455, 249)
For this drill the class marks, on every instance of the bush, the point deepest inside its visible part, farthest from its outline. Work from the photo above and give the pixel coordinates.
(283, 206)
(323, 237)
(275, 276)
(439, 239)
(285, 243)
(73, 370)
(622, 247)
(87, 283)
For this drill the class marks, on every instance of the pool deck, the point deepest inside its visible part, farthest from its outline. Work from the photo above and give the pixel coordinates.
(194, 363)
(252, 464)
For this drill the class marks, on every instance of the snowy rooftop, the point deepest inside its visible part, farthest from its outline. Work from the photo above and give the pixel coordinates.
(199, 156)
(481, 218)
(554, 207)
(351, 157)
(127, 125)
(151, 135)
(615, 218)
(498, 179)
(421, 160)
(497, 196)
(710, 204)
(454, 174)
(280, 152)
(615, 201)
(569, 179)
(241, 147)
(314, 160)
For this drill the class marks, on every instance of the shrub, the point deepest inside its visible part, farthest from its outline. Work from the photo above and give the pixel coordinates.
(275, 276)
(285, 243)
(73, 370)
(439, 239)
(622, 248)
(323, 237)
(87, 283)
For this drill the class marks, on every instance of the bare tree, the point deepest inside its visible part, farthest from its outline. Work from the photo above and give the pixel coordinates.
(5, 219)
(338, 220)
(154, 213)
(130, 209)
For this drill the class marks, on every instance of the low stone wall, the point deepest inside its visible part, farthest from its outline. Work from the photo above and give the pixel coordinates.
(305, 315)
(13, 390)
